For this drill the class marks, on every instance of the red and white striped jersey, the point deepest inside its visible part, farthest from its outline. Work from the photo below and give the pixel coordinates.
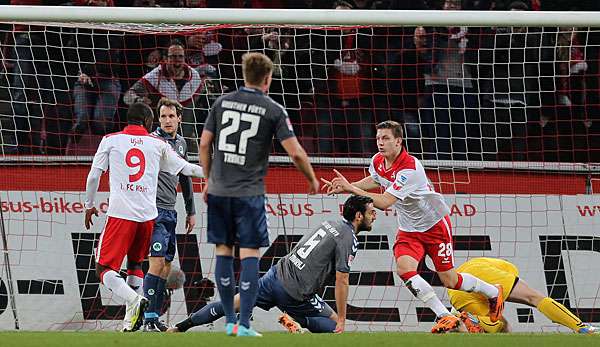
(419, 206)
(134, 159)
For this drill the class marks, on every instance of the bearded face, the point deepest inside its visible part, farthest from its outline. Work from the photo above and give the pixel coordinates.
(176, 57)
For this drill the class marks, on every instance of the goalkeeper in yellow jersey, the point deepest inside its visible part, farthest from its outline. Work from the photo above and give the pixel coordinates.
(474, 307)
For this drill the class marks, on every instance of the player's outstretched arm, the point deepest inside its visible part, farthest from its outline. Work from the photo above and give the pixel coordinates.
(342, 282)
(174, 164)
(341, 184)
(192, 170)
(300, 159)
(366, 184)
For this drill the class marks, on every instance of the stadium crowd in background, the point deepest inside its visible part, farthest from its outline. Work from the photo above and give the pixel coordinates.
(448, 86)
(175, 80)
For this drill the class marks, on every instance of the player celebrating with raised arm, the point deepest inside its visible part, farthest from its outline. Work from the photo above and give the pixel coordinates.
(134, 158)
(241, 125)
(474, 309)
(293, 283)
(423, 224)
(162, 246)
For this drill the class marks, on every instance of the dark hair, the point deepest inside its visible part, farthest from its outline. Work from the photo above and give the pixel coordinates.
(355, 203)
(138, 112)
(396, 127)
(518, 5)
(169, 103)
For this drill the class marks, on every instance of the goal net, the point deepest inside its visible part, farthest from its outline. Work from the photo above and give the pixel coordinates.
(503, 117)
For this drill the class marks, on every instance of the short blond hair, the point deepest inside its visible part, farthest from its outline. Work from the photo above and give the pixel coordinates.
(169, 103)
(256, 67)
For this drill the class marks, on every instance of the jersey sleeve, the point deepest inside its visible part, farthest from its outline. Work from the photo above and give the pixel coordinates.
(283, 126)
(373, 173)
(406, 182)
(170, 161)
(187, 188)
(345, 252)
(101, 158)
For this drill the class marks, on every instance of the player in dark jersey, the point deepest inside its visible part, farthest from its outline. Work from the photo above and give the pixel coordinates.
(162, 246)
(293, 283)
(241, 126)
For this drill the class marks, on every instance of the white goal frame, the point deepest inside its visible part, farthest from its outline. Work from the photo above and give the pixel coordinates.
(294, 16)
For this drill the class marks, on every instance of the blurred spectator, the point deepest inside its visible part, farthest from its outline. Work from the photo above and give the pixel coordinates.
(203, 53)
(292, 81)
(153, 59)
(362, 4)
(350, 119)
(448, 110)
(463, 91)
(97, 90)
(572, 67)
(178, 81)
(398, 66)
(142, 53)
(509, 79)
(289, 49)
(150, 59)
(35, 82)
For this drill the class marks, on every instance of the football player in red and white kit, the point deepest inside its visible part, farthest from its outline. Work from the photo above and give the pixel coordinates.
(423, 223)
(134, 159)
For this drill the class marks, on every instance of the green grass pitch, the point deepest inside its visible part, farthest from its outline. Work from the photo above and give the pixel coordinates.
(109, 339)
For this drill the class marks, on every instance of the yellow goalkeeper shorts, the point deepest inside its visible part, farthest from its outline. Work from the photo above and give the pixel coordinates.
(491, 270)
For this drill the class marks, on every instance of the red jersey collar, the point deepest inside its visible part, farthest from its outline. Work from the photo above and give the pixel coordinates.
(398, 162)
(135, 130)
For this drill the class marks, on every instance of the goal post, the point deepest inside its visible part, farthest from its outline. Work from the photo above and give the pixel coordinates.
(501, 107)
(294, 16)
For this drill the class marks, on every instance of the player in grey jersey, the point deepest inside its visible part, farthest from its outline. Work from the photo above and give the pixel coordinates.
(162, 246)
(294, 282)
(241, 125)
